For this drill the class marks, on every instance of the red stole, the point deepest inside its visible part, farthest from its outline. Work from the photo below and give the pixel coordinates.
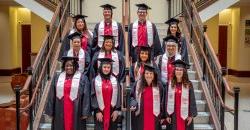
(107, 28)
(170, 68)
(84, 42)
(180, 123)
(108, 55)
(107, 96)
(68, 106)
(149, 122)
(142, 34)
(141, 69)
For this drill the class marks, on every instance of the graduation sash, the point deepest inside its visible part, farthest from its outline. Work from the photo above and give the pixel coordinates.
(98, 89)
(164, 63)
(137, 74)
(74, 85)
(156, 99)
(101, 32)
(184, 101)
(81, 57)
(150, 39)
(115, 65)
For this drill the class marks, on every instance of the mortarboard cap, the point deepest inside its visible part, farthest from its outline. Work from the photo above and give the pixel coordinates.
(142, 6)
(66, 58)
(149, 67)
(172, 21)
(108, 6)
(108, 36)
(74, 35)
(181, 64)
(143, 48)
(105, 60)
(79, 16)
(170, 38)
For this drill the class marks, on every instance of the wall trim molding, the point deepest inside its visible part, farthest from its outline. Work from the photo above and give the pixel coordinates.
(238, 73)
(9, 72)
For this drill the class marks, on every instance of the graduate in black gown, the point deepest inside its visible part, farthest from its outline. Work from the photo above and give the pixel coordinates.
(108, 51)
(77, 51)
(80, 26)
(143, 33)
(147, 101)
(105, 97)
(180, 105)
(68, 101)
(144, 57)
(108, 26)
(173, 29)
(171, 54)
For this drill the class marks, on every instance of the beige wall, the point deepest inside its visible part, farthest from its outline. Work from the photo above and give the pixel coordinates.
(38, 32)
(158, 14)
(212, 31)
(11, 19)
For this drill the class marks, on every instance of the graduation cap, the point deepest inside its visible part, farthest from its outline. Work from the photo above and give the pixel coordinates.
(181, 64)
(172, 21)
(67, 58)
(79, 16)
(108, 6)
(74, 35)
(142, 6)
(171, 38)
(149, 67)
(105, 60)
(108, 36)
(143, 48)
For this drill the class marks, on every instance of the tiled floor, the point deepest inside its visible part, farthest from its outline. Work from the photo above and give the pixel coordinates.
(244, 103)
(6, 95)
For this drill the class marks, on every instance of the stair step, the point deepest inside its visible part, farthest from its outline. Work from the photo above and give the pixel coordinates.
(191, 75)
(198, 94)
(196, 84)
(202, 118)
(203, 127)
(201, 105)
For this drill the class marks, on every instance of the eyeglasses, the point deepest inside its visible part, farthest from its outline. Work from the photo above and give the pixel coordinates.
(142, 12)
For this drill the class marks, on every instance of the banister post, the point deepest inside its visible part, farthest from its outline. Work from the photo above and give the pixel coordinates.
(236, 107)
(30, 96)
(204, 49)
(223, 93)
(191, 25)
(48, 48)
(17, 91)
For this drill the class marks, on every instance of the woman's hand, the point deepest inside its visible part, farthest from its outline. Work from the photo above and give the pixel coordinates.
(99, 116)
(84, 117)
(132, 108)
(114, 116)
(189, 120)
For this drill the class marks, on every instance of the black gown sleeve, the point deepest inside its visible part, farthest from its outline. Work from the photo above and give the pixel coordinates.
(121, 40)
(93, 66)
(133, 101)
(86, 96)
(121, 77)
(118, 103)
(192, 102)
(87, 64)
(94, 47)
(94, 103)
(50, 107)
(157, 44)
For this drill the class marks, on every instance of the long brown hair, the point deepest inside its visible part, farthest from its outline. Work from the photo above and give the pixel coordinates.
(185, 80)
(143, 82)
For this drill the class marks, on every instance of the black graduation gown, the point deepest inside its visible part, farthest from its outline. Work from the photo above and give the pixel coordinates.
(137, 121)
(95, 108)
(55, 107)
(66, 45)
(87, 62)
(192, 111)
(120, 47)
(184, 51)
(156, 48)
(94, 66)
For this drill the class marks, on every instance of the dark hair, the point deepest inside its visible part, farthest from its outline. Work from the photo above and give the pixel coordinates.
(85, 28)
(113, 44)
(74, 62)
(185, 79)
(178, 32)
(143, 82)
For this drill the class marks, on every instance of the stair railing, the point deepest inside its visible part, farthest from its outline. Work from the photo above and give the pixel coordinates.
(212, 75)
(44, 67)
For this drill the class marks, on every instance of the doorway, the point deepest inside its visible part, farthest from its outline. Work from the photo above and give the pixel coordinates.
(222, 50)
(26, 46)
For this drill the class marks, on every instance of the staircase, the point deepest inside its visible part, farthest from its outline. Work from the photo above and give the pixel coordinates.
(208, 90)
